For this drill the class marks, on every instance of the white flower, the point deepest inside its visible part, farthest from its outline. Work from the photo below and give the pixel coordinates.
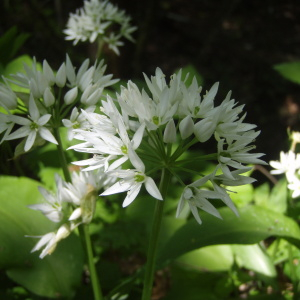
(52, 208)
(82, 192)
(237, 153)
(32, 126)
(288, 164)
(294, 186)
(197, 198)
(76, 121)
(106, 146)
(132, 181)
(49, 241)
(113, 42)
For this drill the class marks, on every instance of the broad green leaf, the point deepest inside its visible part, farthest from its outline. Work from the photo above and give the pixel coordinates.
(55, 275)
(290, 71)
(262, 194)
(204, 259)
(253, 225)
(278, 197)
(242, 195)
(252, 257)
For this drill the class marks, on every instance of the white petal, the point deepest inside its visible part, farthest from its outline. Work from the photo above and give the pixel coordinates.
(135, 160)
(75, 214)
(47, 135)
(137, 138)
(208, 207)
(33, 110)
(19, 133)
(43, 241)
(131, 195)
(30, 140)
(195, 213)
(43, 119)
(180, 206)
(204, 129)
(152, 188)
(19, 120)
(118, 187)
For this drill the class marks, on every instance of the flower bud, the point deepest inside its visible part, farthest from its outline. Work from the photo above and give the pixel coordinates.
(48, 73)
(170, 132)
(61, 76)
(48, 97)
(71, 95)
(186, 127)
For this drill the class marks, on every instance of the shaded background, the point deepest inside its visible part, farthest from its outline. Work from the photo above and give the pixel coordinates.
(235, 42)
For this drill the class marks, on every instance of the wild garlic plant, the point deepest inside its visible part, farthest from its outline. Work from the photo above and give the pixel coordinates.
(102, 22)
(137, 137)
(289, 165)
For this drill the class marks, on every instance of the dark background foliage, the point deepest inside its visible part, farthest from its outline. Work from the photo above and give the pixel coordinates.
(234, 42)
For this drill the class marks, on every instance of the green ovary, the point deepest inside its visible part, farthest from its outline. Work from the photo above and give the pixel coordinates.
(139, 178)
(34, 126)
(196, 110)
(124, 149)
(155, 120)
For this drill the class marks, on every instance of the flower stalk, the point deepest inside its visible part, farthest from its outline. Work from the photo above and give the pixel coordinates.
(85, 232)
(153, 242)
(93, 272)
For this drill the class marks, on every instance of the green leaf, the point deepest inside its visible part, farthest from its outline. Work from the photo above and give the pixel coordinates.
(204, 259)
(290, 71)
(262, 194)
(252, 257)
(253, 225)
(278, 197)
(10, 42)
(193, 72)
(54, 275)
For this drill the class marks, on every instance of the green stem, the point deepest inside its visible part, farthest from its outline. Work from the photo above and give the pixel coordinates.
(153, 242)
(100, 44)
(62, 156)
(93, 272)
(85, 232)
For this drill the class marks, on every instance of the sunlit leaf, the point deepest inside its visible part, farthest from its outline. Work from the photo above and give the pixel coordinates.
(253, 225)
(252, 257)
(55, 275)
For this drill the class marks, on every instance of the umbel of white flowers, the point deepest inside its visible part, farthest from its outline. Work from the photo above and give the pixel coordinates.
(160, 125)
(100, 20)
(48, 98)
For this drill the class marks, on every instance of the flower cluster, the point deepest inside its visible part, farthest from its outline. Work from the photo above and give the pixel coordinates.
(140, 128)
(73, 204)
(102, 21)
(42, 100)
(289, 165)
